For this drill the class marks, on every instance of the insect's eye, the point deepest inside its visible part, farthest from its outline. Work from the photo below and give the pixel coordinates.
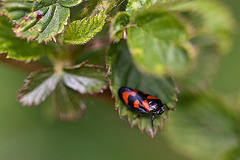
(153, 104)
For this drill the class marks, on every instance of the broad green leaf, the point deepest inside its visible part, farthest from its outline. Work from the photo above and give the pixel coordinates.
(38, 87)
(81, 31)
(203, 127)
(85, 78)
(67, 103)
(159, 43)
(70, 3)
(39, 20)
(124, 73)
(118, 24)
(210, 18)
(18, 48)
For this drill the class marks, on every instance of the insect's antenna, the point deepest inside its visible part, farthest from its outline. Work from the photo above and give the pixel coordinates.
(152, 121)
(168, 107)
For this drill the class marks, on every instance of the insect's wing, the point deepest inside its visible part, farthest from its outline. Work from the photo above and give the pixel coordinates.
(134, 99)
(147, 96)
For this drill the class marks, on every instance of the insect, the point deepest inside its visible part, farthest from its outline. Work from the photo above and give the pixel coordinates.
(141, 102)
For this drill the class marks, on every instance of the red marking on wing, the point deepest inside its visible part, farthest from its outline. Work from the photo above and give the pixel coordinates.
(146, 105)
(145, 93)
(134, 90)
(151, 97)
(136, 104)
(125, 96)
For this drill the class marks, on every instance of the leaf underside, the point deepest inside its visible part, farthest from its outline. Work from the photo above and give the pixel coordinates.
(67, 103)
(85, 79)
(124, 73)
(38, 87)
(66, 88)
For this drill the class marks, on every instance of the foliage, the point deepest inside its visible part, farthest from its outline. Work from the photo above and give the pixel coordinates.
(157, 46)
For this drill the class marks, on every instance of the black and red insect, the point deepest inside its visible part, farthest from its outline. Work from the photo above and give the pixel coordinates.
(141, 102)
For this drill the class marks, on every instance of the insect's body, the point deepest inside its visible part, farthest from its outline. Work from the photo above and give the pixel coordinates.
(141, 101)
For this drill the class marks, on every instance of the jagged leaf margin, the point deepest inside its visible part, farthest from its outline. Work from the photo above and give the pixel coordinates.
(81, 31)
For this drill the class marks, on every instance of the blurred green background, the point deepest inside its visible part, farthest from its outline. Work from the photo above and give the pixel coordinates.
(33, 132)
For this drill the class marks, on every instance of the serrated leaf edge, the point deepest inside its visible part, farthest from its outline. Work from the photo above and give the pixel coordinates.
(91, 66)
(29, 39)
(25, 87)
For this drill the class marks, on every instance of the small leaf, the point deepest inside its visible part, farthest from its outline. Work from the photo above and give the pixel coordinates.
(18, 48)
(40, 21)
(85, 79)
(134, 5)
(203, 127)
(120, 21)
(158, 43)
(70, 3)
(124, 73)
(38, 87)
(68, 103)
(106, 5)
(80, 32)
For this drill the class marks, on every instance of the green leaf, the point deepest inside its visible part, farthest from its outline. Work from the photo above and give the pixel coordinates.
(39, 20)
(67, 103)
(159, 43)
(70, 3)
(209, 18)
(203, 127)
(124, 73)
(134, 5)
(85, 78)
(106, 5)
(118, 24)
(38, 87)
(18, 48)
(80, 32)
(212, 37)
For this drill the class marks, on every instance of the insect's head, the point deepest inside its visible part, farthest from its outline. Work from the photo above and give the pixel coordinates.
(156, 106)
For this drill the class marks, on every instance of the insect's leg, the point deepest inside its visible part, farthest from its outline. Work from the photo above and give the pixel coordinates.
(140, 114)
(152, 122)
